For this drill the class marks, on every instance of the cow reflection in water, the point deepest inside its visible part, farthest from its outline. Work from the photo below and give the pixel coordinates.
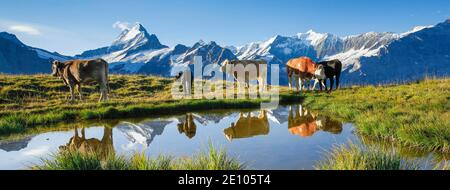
(103, 147)
(248, 126)
(187, 126)
(304, 123)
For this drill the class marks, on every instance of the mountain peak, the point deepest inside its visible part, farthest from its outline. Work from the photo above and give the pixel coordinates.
(10, 37)
(213, 43)
(312, 37)
(311, 32)
(132, 33)
(201, 42)
(137, 37)
(139, 27)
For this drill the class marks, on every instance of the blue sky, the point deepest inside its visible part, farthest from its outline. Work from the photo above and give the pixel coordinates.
(70, 26)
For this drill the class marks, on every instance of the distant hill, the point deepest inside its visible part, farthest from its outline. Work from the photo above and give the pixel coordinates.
(18, 58)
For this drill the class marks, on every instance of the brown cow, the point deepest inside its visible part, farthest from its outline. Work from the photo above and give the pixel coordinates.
(77, 72)
(304, 69)
(248, 126)
(104, 147)
(188, 126)
(302, 122)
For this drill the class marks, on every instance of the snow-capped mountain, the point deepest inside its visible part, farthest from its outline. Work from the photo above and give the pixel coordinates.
(365, 57)
(371, 57)
(422, 52)
(18, 58)
(137, 51)
(143, 133)
(132, 49)
(211, 53)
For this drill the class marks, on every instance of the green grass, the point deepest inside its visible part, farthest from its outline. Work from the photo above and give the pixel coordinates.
(132, 96)
(414, 115)
(211, 159)
(354, 157)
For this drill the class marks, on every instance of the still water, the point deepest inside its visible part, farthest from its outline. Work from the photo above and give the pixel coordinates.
(289, 137)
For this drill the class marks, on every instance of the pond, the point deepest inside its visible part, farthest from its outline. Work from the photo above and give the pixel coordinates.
(288, 137)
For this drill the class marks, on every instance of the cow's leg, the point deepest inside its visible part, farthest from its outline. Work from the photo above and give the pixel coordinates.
(79, 91)
(315, 83)
(290, 81)
(261, 85)
(71, 88)
(103, 94)
(83, 134)
(320, 84)
(337, 81)
(106, 91)
(185, 88)
(331, 85)
(308, 84)
(300, 84)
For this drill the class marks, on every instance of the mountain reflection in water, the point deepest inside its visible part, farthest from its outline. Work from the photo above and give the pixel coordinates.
(288, 137)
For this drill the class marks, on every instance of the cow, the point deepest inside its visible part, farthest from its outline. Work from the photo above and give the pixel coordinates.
(242, 71)
(304, 69)
(187, 81)
(77, 72)
(102, 147)
(302, 122)
(333, 68)
(188, 126)
(248, 126)
(305, 123)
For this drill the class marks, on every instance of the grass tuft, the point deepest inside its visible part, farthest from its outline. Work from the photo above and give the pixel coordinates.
(211, 159)
(354, 157)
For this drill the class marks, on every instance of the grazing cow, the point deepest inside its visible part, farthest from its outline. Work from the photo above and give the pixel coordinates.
(77, 72)
(302, 122)
(243, 73)
(304, 69)
(305, 123)
(188, 126)
(333, 69)
(103, 147)
(248, 126)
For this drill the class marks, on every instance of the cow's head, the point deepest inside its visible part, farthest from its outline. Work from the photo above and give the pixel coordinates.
(319, 73)
(57, 68)
(223, 67)
(178, 76)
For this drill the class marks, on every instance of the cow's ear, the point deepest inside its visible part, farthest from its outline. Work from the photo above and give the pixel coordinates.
(226, 61)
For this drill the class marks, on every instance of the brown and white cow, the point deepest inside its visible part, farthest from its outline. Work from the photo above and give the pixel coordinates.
(77, 72)
(246, 70)
(304, 69)
(305, 123)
